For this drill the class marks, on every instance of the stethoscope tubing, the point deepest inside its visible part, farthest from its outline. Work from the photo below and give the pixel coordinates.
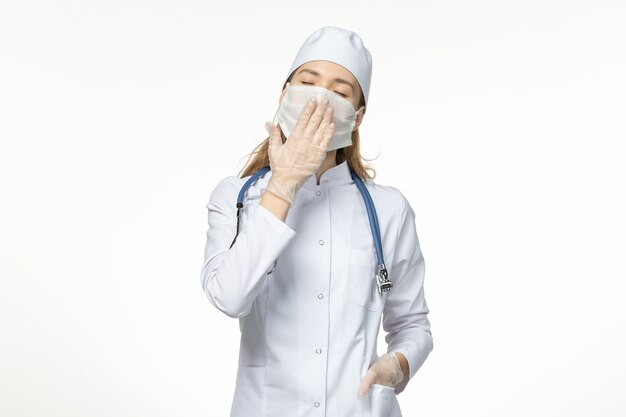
(383, 283)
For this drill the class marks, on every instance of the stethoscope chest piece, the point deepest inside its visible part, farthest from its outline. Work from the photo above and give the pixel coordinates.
(382, 279)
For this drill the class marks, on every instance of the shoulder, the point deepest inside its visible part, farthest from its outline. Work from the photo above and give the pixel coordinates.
(227, 190)
(390, 196)
(229, 187)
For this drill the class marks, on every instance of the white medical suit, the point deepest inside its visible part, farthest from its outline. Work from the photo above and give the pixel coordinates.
(309, 329)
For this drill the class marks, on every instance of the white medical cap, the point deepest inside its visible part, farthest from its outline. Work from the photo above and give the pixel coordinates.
(341, 46)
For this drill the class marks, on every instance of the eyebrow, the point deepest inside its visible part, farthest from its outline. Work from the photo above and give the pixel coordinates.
(338, 80)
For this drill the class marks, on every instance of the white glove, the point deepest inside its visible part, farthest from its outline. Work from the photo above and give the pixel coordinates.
(385, 370)
(302, 153)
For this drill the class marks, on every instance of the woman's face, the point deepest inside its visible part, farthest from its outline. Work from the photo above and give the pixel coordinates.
(332, 77)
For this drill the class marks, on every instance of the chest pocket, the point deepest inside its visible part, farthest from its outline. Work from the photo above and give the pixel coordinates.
(363, 284)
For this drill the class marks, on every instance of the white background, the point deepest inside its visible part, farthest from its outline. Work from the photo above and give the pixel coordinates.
(502, 122)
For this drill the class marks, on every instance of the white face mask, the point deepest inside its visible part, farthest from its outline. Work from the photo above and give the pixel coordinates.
(297, 96)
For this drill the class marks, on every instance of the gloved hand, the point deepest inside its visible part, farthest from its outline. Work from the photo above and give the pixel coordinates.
(302, 153)
(385, 370)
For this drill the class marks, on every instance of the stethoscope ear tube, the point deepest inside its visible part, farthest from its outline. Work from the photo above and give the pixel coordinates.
(240, 198)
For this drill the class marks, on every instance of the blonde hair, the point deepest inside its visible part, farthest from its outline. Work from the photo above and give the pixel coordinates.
(259, 157)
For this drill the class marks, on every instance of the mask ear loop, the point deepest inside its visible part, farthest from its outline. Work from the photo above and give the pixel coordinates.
(275, 120)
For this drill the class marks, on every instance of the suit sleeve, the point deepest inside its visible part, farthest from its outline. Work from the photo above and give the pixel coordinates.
(405, 315)
(232, 278)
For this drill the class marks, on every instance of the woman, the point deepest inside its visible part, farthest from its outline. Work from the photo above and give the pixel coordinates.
(300, 274)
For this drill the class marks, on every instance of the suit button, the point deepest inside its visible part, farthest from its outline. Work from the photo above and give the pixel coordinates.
(316, 404)
(318, 351)
(321, 242)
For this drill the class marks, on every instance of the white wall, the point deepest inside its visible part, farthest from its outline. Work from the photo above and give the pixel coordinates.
(502, 122)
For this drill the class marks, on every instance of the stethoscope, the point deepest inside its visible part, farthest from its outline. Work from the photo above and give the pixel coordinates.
(381, 276)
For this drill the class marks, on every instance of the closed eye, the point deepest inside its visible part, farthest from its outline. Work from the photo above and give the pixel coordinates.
(341, 94)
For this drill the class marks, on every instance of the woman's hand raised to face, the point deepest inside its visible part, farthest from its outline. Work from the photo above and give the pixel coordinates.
(302, 153)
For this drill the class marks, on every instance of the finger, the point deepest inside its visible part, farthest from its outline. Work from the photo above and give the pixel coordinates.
(305, 115)
(328, 135)
(366, 383)
(275, 139)
(319, 134)
(315, 119)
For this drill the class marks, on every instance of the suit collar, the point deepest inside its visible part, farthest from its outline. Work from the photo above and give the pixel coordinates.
(332, 177)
